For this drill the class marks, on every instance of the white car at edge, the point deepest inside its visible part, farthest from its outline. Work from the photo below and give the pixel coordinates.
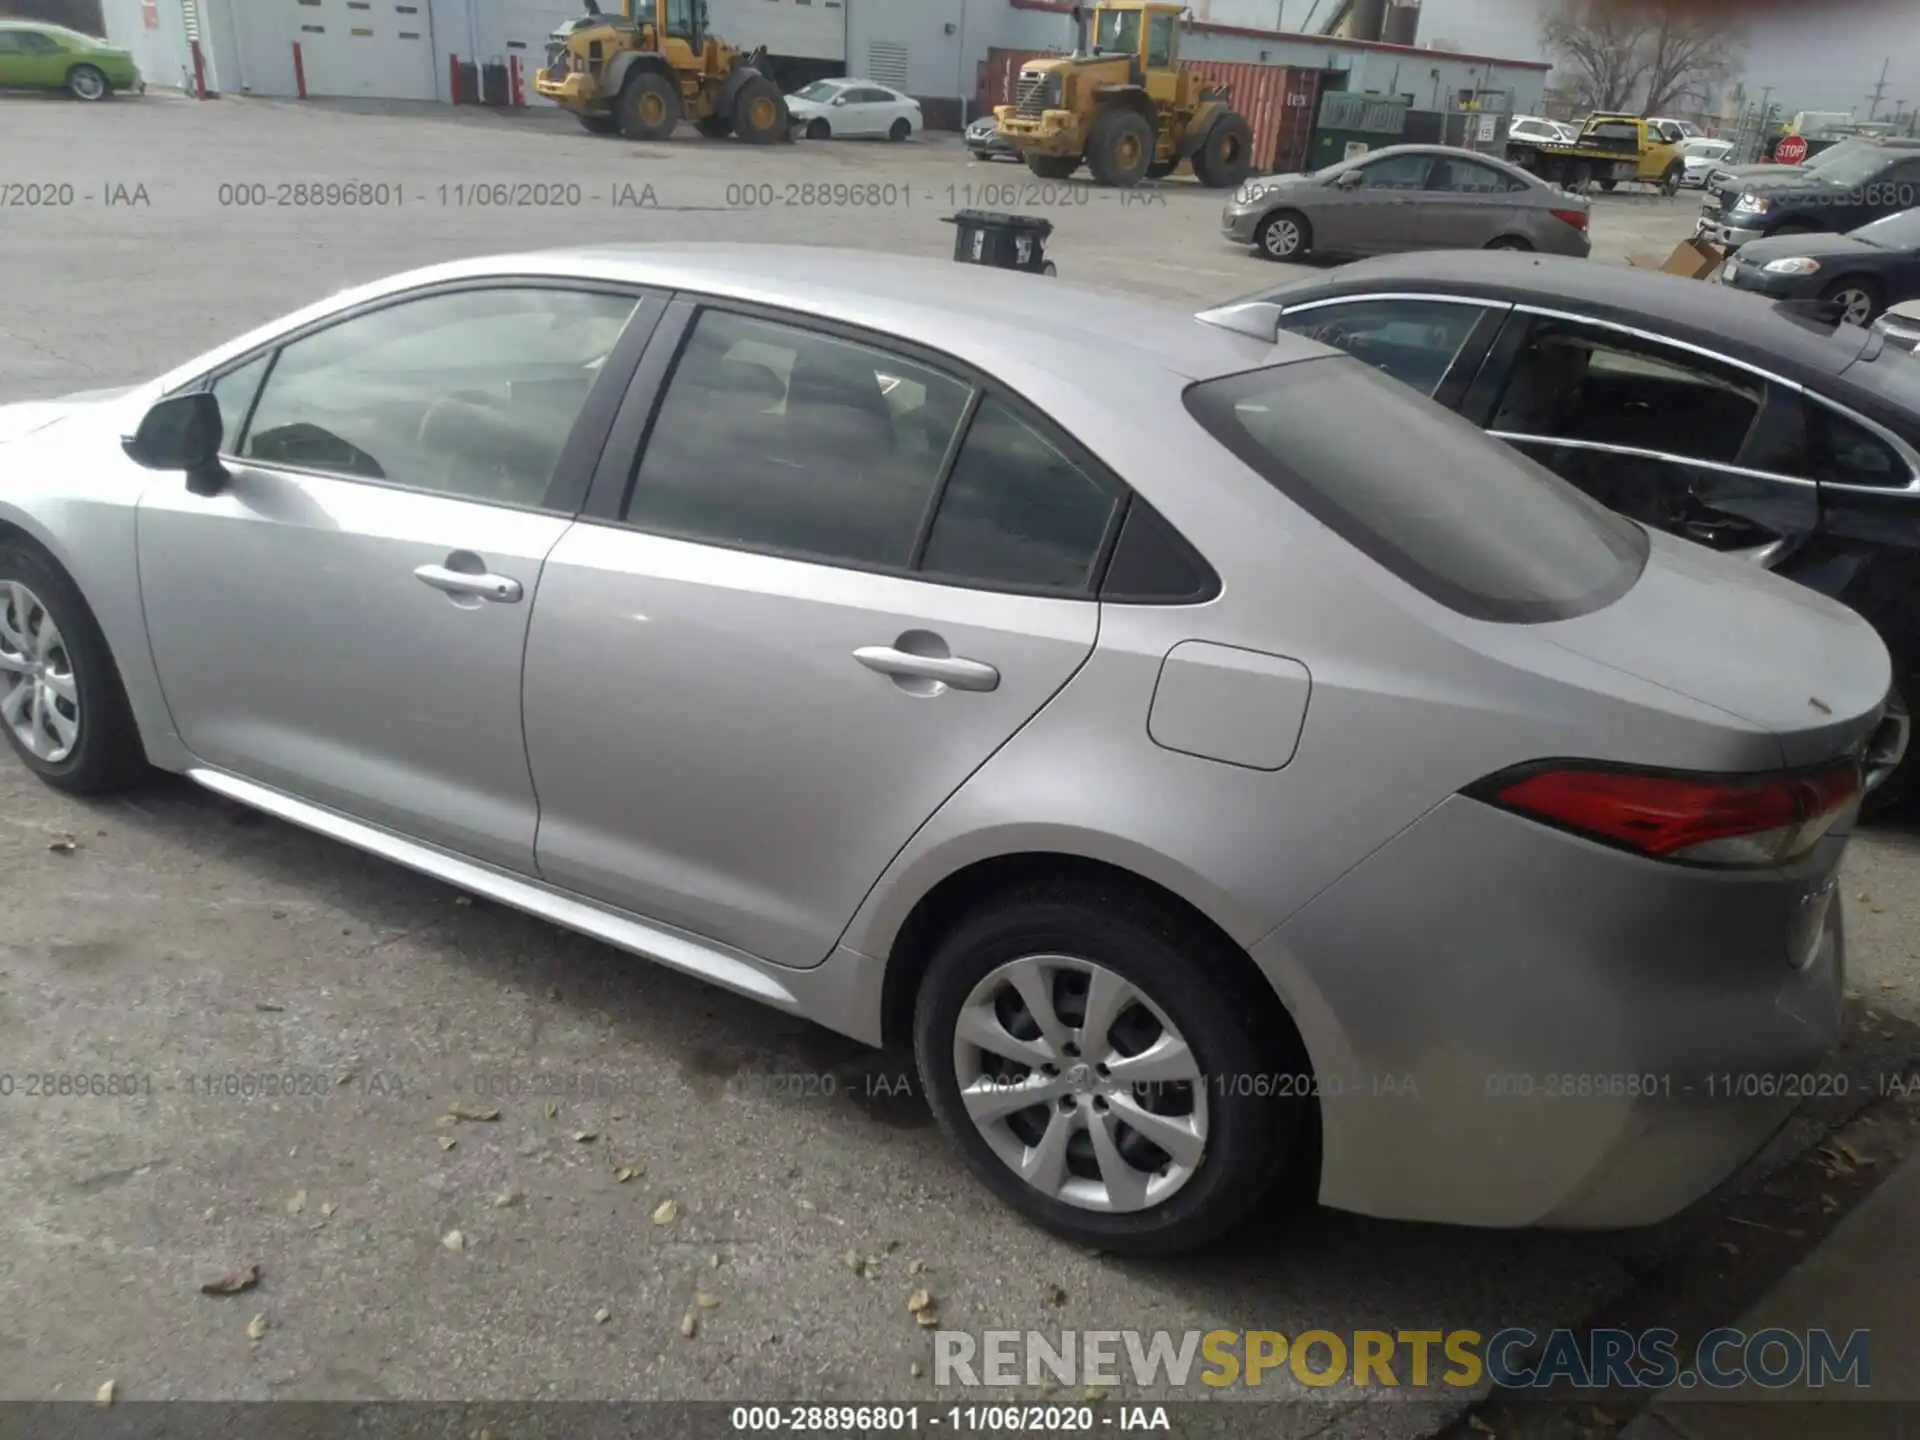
(847, 108)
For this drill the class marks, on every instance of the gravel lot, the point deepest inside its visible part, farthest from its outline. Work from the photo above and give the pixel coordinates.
(184, 941)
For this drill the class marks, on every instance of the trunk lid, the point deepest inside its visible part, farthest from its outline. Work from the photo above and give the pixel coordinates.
(1771, 654)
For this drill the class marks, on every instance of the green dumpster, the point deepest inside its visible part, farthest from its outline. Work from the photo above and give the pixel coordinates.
(1349, 124)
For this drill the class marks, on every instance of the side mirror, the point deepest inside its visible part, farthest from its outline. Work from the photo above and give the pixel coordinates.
(1349, 180)
(839, 99)
(182, 432)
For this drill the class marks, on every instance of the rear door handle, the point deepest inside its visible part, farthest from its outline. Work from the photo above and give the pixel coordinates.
(950, 670)
(503, 589)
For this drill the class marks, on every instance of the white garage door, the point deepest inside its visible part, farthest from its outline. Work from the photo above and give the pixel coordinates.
(803, 29)
(379, 49)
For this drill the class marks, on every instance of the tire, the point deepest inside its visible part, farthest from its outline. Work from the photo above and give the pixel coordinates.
(819, 130)
(715, 127)
(1053, 167)
(600, 124)
(1606, 185)
(1670, 182)
(1120, 148)
(1225, 157)
(759, 114)
(87, 82)
(1509, 242)
(104, 752)
(1858, 295)
(1189, 987)
(1284, 236)
(899, 130)
(649, 106)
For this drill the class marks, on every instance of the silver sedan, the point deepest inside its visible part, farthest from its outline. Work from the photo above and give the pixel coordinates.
(1406, 197)
(1233, 775)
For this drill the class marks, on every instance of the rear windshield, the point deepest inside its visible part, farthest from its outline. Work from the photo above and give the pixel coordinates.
(1460, 516)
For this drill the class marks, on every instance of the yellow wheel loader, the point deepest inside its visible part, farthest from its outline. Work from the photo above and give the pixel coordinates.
(640, 77)
(1122, 106)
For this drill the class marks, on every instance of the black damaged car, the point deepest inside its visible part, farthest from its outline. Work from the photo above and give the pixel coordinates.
(1747, 426)
(1860, 273)
(1857, 181)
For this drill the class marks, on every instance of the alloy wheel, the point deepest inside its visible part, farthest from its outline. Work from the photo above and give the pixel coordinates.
(1856, 305)
(39, 696)
(88, 83)
(1080, 1083)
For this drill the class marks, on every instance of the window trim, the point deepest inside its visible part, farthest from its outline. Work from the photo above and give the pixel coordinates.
(614, 481)
(1474, 349)
(573, 469)
(1900, 447)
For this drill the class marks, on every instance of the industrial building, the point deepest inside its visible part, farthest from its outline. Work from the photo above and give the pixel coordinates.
(944, 52)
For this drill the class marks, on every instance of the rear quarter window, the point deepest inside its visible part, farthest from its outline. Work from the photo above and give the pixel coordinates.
(1462, 517)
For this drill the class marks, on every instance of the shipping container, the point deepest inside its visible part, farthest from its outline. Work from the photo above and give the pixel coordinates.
(1258, 92)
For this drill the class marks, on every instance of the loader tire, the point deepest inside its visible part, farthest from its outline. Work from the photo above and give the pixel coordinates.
(1225, 157)
(649, 106)
(1120, 148)
(759, 113)
(1053, 167)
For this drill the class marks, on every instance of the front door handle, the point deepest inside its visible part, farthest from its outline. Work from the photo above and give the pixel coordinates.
(950, 670)
(481, 585)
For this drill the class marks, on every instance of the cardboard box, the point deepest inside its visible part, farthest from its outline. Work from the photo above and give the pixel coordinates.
(1691, 260)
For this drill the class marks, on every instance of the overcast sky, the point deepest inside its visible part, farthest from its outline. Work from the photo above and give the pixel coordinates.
(1816, 56)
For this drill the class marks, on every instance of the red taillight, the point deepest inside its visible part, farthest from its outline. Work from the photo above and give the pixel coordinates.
(1576, 218)
(1703, 819)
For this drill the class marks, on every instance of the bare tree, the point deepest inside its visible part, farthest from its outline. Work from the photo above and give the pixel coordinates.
(1687, 52)
(1602, 48)
(1614, 52)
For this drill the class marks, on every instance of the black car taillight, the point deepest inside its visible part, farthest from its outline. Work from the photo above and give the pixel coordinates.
(1727, 820)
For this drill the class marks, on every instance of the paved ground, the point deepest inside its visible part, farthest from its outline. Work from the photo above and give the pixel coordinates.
(183, 941)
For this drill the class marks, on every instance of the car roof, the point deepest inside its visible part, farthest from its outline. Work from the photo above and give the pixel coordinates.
(1717, 316)
(979, 314)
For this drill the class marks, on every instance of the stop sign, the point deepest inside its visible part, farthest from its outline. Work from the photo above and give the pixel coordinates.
(1791, 150)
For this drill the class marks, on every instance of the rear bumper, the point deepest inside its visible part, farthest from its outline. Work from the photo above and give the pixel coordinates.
(1512, 1026)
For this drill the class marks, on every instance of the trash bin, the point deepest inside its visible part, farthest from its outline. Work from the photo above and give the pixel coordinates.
(1011, 242)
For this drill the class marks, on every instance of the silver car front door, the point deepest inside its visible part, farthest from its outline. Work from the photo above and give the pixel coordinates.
(346, 621)
(761, 662)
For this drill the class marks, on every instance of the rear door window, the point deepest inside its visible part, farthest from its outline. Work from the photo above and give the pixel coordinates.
(1470, 522)
(1587, 383)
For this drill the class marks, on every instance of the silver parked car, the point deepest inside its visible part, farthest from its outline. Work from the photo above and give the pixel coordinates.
(1226, 768)
(1406, 197)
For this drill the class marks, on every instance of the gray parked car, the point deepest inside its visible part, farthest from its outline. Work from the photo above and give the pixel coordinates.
(1222, 765)
(1406, 197)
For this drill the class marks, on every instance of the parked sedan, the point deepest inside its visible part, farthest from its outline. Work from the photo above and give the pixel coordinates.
(1702, 157)
(1693, 409)
(1859, 273)
(1185, 741)
(1406, 197)
(853, 109)
(34, 56)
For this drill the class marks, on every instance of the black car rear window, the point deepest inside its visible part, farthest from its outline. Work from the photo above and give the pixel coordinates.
(1460, 516)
